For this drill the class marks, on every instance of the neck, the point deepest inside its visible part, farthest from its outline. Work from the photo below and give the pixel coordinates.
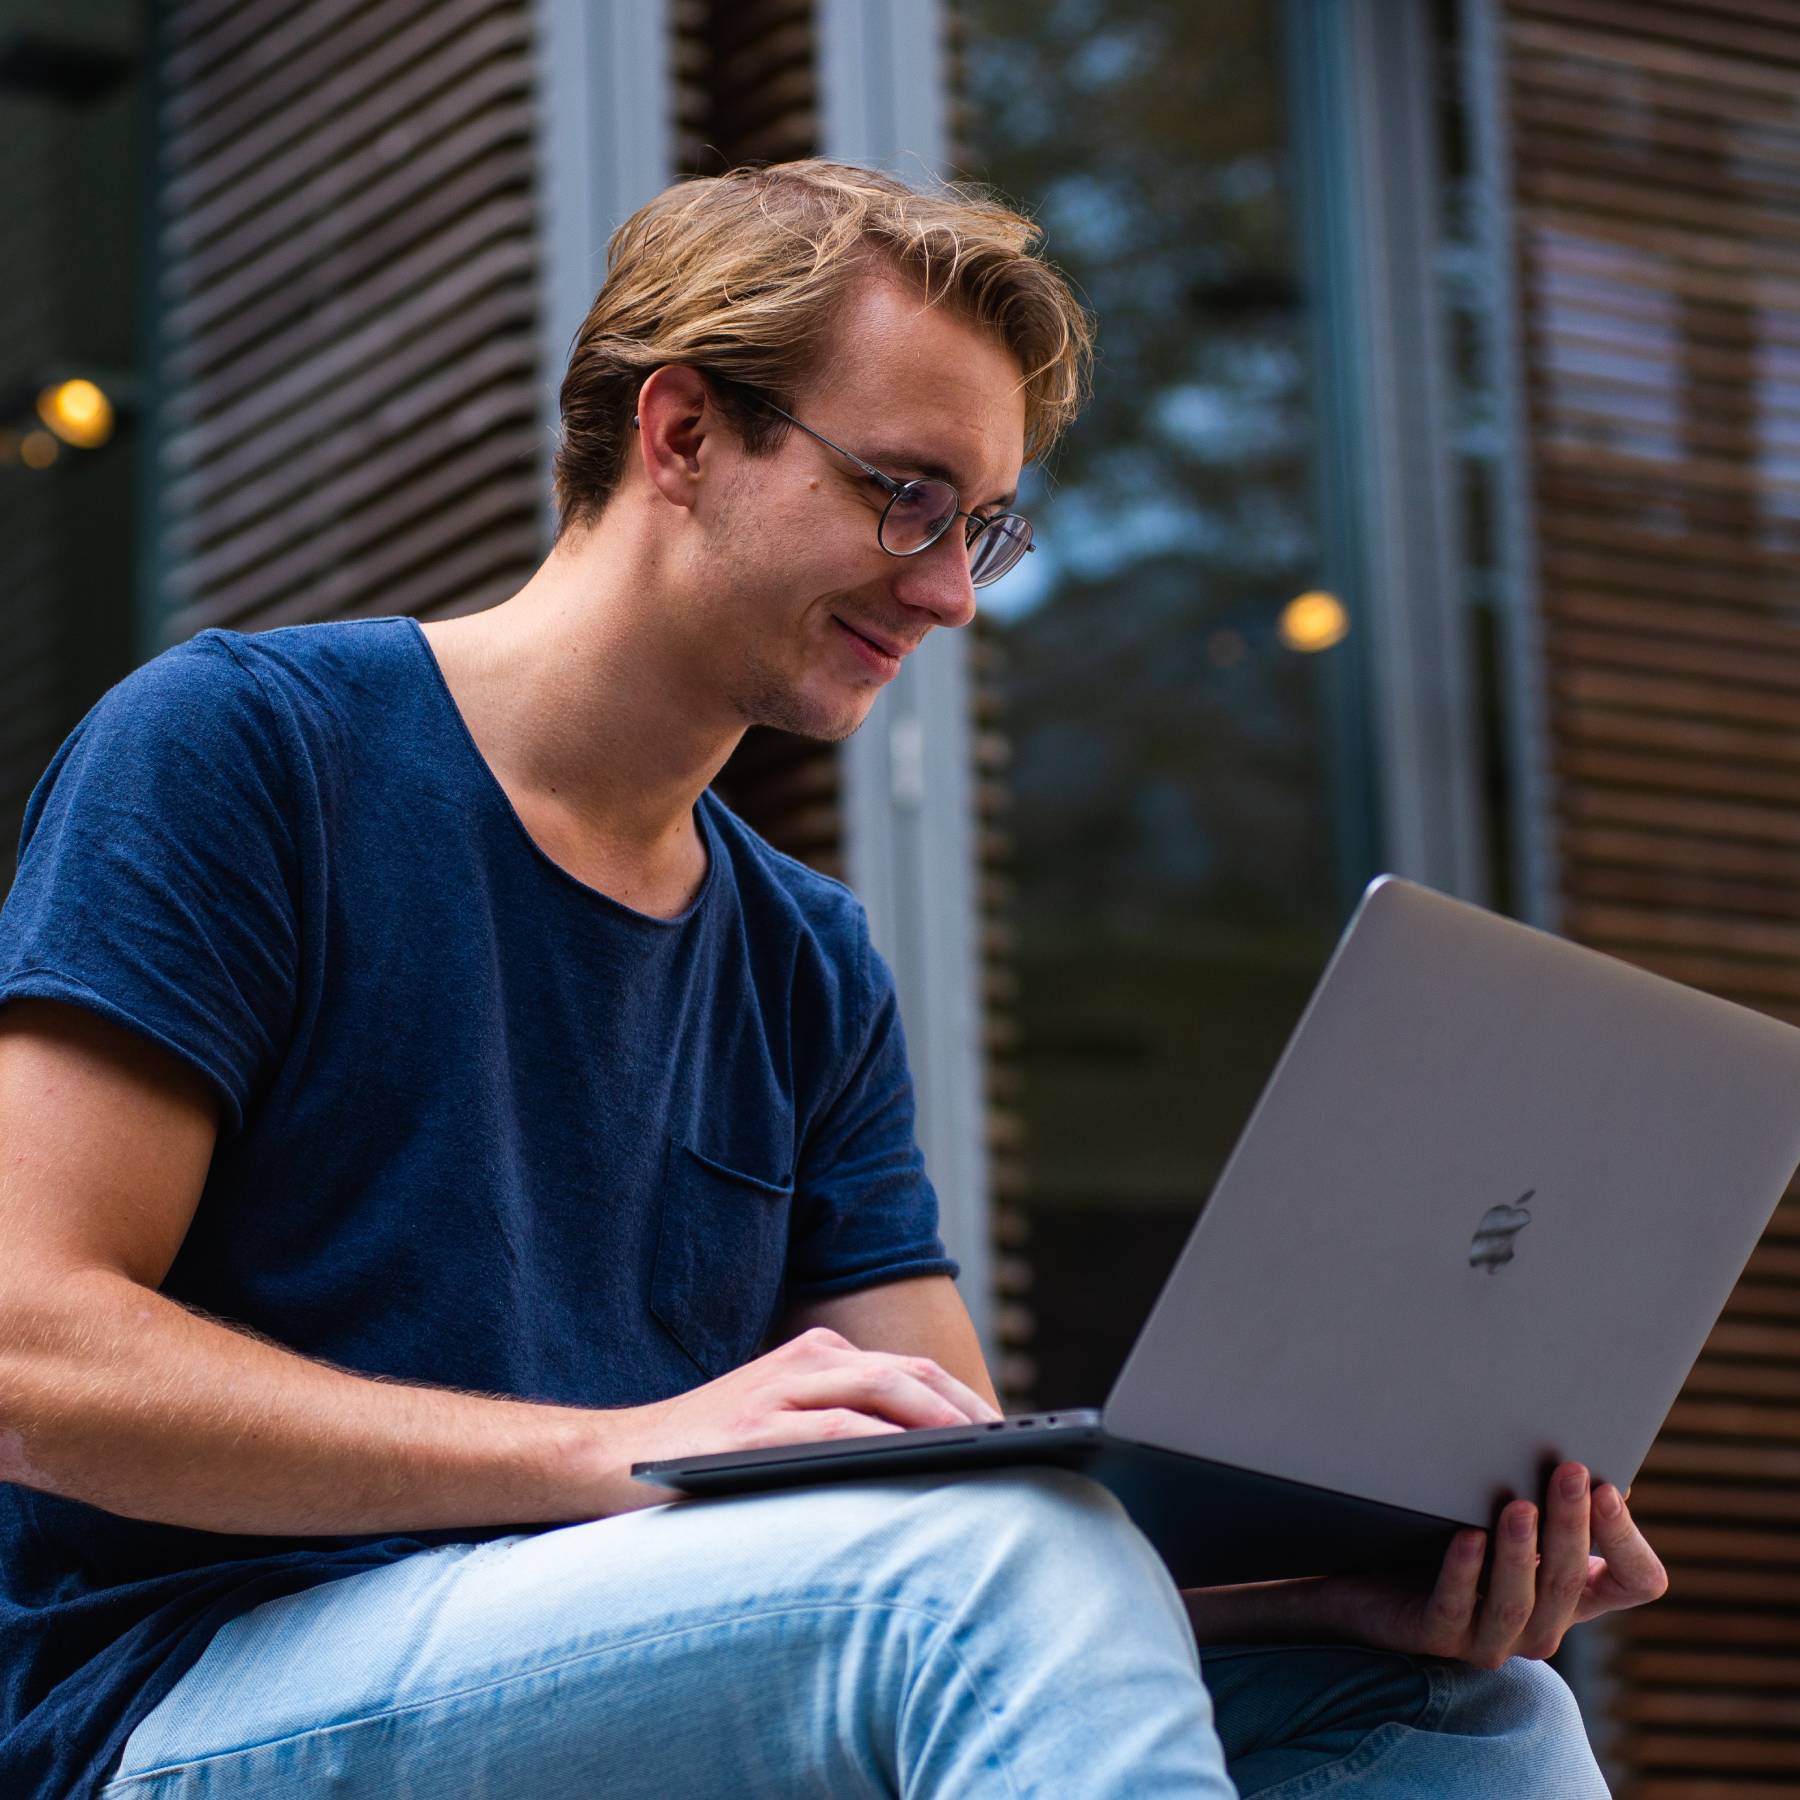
(582, 700)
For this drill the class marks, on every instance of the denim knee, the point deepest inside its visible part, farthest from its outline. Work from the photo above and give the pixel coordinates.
(1529, 1706)
(1036, 1531)
(1060, 1505)
(1048, 1517)
(1064, 1539)
(1060, 1613)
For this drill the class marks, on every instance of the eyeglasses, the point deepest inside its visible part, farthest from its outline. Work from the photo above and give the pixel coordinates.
(918, 513)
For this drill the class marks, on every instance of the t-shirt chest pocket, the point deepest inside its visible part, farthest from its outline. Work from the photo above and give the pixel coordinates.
(721, 1251)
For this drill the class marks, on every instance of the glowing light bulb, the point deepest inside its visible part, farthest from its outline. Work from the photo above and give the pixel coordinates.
(78, 412)
(1313, 621)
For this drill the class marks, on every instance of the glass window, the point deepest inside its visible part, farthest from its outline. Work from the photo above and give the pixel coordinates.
(1177, 690)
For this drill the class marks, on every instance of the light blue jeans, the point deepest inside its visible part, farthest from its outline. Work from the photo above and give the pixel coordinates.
(1007, 1634)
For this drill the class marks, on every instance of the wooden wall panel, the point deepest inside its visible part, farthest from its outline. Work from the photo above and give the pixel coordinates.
(1657, 194)
(350, 292)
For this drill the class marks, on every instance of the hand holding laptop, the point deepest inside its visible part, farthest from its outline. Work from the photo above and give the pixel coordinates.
(1539, 1585)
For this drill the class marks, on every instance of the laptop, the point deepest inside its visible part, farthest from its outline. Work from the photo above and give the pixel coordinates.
(1488, 1207)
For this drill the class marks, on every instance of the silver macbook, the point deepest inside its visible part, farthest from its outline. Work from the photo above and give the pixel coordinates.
(1484, 1215)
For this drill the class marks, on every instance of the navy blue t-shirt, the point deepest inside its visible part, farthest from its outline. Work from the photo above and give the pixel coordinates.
(481, 1125)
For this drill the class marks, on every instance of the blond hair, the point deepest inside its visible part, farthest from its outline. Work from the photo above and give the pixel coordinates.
(742, 275)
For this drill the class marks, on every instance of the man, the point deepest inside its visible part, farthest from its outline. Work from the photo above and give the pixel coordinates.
(421, 1100)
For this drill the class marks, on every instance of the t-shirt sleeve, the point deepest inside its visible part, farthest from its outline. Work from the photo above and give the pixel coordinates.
(864, 1209)
(156, 874)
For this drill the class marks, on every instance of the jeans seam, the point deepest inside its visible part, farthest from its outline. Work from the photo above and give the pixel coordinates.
(122, 1784)
(1386, 1736)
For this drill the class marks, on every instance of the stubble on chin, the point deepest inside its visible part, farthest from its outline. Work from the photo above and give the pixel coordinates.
(764, 699)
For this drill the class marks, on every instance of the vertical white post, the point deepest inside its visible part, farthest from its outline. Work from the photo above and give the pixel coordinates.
(1527, 684)
(607, 144)
(1365, 131)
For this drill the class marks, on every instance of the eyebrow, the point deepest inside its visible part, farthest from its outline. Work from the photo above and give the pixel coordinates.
(887, 460)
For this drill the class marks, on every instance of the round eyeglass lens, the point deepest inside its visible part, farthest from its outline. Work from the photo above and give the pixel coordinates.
(917, 517)
(1000, 544)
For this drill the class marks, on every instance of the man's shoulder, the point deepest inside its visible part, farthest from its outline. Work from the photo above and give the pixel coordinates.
(192, 707)
(225, 716)
(219, 675)
(816, 905)
(329, 656)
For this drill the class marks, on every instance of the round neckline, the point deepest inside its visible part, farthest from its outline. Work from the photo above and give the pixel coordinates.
(709, 836)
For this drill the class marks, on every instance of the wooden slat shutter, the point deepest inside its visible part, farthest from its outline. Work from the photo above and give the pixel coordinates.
(1657, 187)
(350, 289)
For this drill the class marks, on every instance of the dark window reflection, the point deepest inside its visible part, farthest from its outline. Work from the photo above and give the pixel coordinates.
(1179, 886)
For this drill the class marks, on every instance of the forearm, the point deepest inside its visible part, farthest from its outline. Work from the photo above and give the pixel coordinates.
(114, 1395)
(1264, 1612)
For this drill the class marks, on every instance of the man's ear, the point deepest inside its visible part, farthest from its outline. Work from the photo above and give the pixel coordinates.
(675, 416)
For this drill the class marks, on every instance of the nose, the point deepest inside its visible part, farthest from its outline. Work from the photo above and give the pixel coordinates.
(936, 581)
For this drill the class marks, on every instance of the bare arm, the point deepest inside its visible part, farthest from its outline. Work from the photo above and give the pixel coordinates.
(112, 1394)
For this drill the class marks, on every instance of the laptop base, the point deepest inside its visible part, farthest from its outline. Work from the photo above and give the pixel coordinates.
(1211, 1523)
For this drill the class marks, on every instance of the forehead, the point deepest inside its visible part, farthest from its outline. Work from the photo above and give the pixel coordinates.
(902, 373)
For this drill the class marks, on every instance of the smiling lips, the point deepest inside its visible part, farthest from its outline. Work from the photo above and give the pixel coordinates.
(894, 651)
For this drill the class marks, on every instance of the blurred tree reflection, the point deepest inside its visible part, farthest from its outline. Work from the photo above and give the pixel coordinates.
(1175, 858)
(1170, 748)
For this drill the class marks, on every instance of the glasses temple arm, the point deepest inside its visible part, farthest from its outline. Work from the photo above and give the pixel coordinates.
(887, 481)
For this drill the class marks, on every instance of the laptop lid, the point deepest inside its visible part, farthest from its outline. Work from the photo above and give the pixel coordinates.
(1483, 1216)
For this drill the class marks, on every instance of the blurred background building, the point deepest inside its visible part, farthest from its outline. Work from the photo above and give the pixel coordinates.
(1437, 510)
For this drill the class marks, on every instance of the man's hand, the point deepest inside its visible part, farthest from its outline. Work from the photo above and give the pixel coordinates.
(818, 1385)
(1538, 1587)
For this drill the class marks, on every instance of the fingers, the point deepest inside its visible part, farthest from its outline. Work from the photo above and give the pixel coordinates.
(1450, 1612)
(815, 1424)
(969, 1405)
(913, 1391)
(883, 1394)
(1543, 1578)
(1512, 1587)
(1633, 1572)
(1562, 1571)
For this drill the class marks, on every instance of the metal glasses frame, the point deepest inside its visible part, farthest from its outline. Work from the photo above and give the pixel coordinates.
(895, 490)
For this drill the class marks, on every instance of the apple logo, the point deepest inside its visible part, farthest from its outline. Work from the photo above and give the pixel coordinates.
(1493, 1244)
